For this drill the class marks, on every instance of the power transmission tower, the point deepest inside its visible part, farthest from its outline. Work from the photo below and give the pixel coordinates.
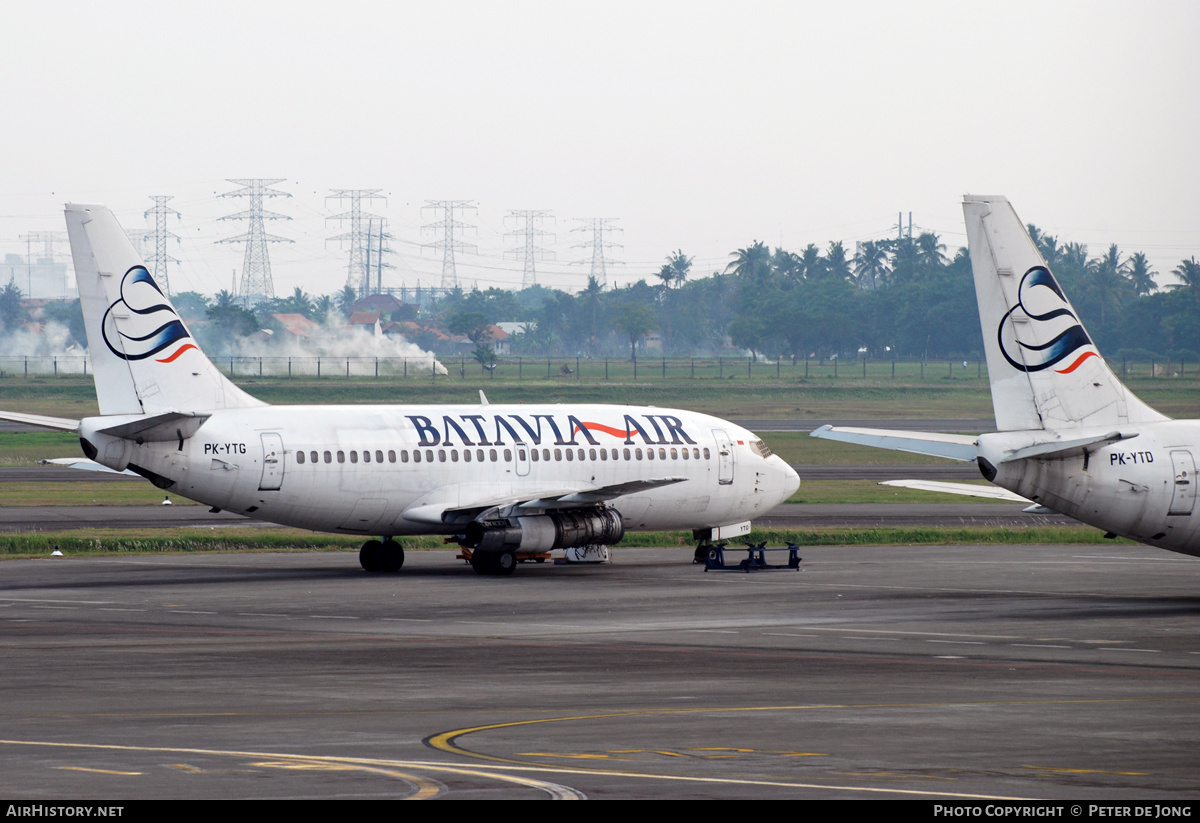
(256, 267)
(160, 235)
(530, 249)
(358, 269)
(448, 244)
(597, 226)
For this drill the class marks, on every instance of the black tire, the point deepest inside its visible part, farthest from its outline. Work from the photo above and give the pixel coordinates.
(391, 556)
(482, 562)
(713, 554)
(370, 556)
(505, 563)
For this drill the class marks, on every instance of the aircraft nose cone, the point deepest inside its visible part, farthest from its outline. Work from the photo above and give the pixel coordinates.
(791, 480)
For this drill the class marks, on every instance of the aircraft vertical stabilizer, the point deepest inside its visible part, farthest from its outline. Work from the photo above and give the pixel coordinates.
(144, 359)
(1045, 370)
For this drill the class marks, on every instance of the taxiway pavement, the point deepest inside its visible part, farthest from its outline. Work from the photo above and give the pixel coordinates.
(960, 672)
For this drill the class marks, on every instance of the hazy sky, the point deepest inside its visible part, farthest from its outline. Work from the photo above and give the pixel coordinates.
(701, 126)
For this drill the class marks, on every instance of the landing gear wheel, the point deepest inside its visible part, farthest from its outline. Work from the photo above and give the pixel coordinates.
(506, 563)
(370, 556)
(481, 562)
(712, 553)
(391, 556)
(701, 554)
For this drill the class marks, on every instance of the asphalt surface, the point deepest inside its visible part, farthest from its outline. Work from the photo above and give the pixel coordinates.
(944, 673)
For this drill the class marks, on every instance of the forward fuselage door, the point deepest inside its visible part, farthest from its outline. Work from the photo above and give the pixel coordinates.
(724, 457)
(272, 473)
(1183, 495)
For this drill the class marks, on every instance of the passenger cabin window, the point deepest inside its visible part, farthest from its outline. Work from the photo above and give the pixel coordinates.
(328, 457)
(353, 456)
(312, 457)
(300, 457)
(341, 456)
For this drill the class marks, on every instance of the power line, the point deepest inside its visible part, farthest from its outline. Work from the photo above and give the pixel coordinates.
(358, 268)
(530, 249)
(597, 226)
(448, 244)
(160, 235)
(256, 267)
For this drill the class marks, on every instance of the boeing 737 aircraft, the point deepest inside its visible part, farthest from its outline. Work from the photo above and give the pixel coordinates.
(504, 480)
(1072, 439)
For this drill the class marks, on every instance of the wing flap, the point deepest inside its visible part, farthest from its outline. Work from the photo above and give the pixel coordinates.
(521, 501)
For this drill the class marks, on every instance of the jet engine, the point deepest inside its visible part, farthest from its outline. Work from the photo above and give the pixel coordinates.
(553, 530)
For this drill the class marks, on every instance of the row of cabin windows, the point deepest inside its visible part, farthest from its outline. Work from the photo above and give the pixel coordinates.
(493, 455)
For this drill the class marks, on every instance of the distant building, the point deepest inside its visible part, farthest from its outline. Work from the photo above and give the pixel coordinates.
(43, 278)
(368, 321)
(297, 325)
(384, 304)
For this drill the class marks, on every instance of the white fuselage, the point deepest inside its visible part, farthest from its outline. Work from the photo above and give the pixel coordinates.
(359, 469)
(1142, 487)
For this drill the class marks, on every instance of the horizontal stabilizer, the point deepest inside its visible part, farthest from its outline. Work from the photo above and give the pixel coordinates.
(965, 489)
(83, 464)
(951, 446)
(157, 428)
(61, 424)
(1064, 448)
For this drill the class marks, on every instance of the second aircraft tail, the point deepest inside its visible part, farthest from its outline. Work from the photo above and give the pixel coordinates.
(1046, 372)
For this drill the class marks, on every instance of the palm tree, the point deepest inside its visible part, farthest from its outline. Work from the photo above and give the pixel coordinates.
(680, 265)
(1106, 280)
(836, 263)
(930, 252)
(752, 262)
(870, 264)
(665, 275)
(1140, 275)
(1189, 272)
(297, 303)
(811, 262)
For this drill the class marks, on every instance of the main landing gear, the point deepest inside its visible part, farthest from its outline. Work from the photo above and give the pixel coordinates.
(499, 563)
(386, 556)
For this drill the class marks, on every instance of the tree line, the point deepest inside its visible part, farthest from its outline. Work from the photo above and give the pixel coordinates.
(900, 298)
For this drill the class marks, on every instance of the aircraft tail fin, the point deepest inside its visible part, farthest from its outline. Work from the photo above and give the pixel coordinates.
(144, 359)
(1046, 372)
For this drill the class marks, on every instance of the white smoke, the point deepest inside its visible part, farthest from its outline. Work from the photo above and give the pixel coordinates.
(334, 348)
(26, 351)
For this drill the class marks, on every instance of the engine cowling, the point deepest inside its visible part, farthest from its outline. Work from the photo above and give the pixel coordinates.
(553, 530)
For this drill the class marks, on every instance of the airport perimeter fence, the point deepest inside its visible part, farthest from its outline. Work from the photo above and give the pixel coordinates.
(592, 370)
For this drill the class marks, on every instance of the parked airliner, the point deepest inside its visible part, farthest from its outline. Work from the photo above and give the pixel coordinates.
(1072, 439)
(504, 480)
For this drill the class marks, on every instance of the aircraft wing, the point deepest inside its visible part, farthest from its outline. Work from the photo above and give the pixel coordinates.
(966, 489)
(57, 423)
(466, 510)
(953, 446)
